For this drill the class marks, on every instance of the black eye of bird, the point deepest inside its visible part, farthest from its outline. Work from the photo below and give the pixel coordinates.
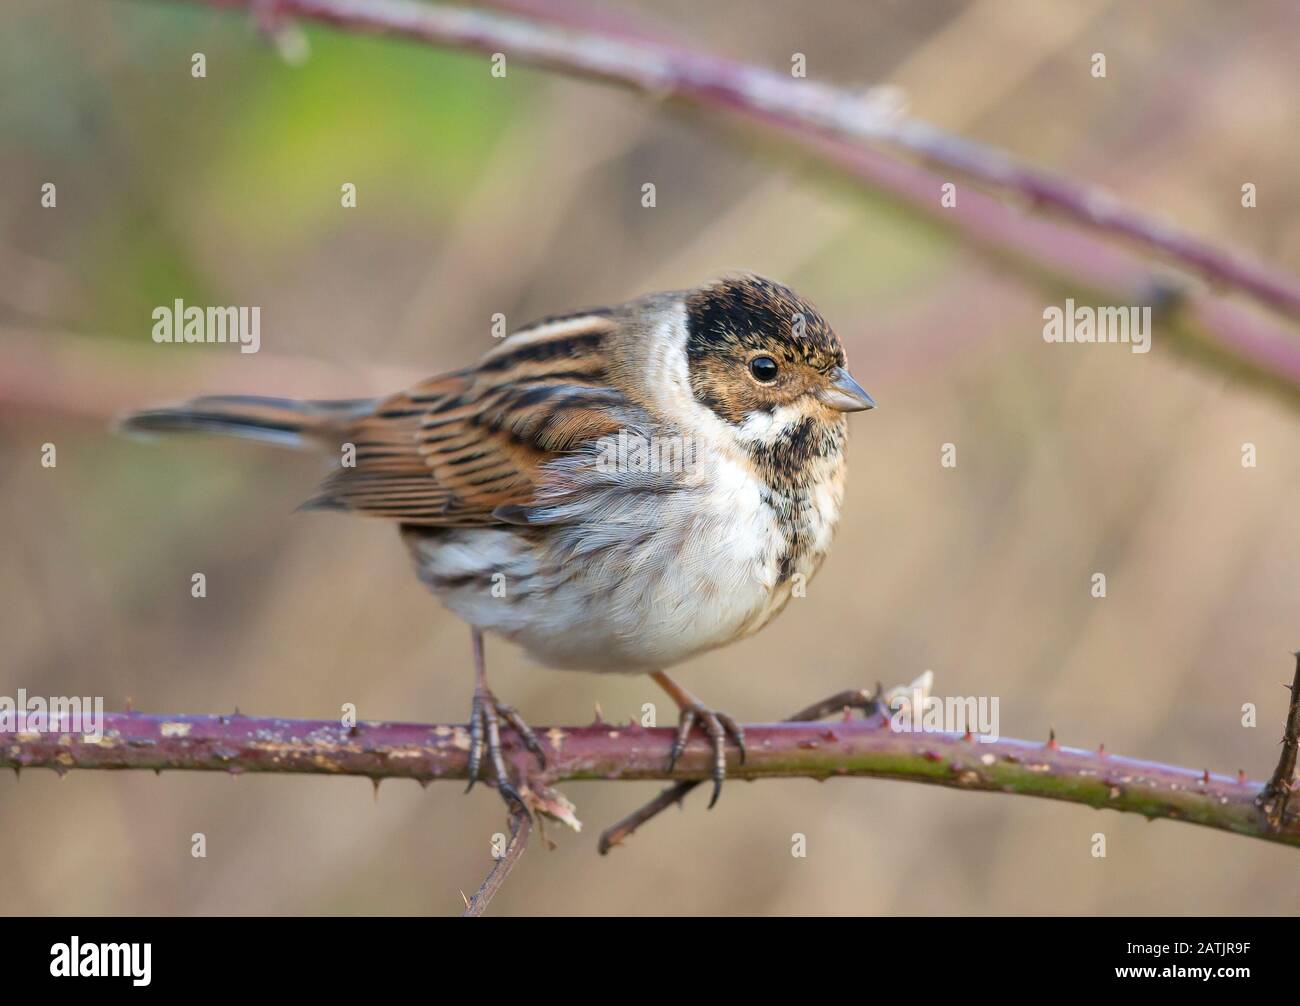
(763, 368)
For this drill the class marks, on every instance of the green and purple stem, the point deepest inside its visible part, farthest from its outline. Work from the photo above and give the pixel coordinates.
(860, 748)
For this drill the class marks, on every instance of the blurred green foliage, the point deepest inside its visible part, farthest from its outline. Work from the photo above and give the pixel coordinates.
(412, 125)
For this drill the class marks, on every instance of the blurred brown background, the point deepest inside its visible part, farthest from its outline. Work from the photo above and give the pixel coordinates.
(478, 195)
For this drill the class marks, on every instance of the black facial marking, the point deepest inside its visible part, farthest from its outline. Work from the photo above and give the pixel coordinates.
(736, 319)
(751, 313)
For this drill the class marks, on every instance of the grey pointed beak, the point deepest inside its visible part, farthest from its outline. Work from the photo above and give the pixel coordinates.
(844, 394)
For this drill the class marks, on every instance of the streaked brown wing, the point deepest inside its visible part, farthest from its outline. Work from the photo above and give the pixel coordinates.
(453, 449)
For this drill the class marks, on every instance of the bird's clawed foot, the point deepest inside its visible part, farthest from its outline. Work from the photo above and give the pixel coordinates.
(718, 726)
(485, 719)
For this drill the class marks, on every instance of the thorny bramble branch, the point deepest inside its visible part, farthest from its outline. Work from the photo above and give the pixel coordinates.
(521, 826)
(1273, 800)
(602, 751)
(867, 747)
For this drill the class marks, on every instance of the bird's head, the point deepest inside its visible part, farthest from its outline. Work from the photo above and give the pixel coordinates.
(763, 359)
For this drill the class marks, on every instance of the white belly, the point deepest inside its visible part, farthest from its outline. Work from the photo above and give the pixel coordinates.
(673, 577)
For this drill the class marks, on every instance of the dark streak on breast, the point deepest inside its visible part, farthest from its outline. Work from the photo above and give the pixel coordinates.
(785, 467)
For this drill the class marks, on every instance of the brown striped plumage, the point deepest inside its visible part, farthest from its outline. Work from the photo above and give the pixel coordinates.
(499, 476)
(453, 449)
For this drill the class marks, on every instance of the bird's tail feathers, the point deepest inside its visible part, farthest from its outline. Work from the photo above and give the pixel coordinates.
(282, 421)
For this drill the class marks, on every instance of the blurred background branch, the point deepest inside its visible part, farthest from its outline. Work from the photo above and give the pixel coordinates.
(834, 124)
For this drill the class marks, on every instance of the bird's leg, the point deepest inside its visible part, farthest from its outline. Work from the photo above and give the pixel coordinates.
(717, 725)
(485, 719)
(870, 703)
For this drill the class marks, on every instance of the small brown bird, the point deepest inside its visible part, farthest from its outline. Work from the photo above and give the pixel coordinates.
(616, 489)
